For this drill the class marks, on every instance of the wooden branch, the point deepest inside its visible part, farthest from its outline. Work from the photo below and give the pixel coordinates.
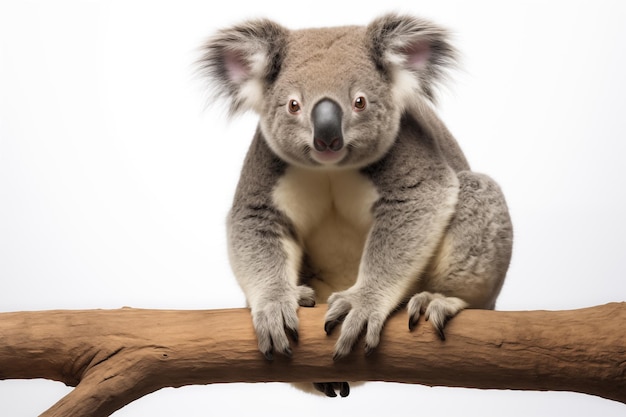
(116, 356)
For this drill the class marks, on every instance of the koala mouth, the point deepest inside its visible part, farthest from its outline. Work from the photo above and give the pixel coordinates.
(328, 157)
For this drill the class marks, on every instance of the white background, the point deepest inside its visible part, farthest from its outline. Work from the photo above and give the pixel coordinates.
(115, 180)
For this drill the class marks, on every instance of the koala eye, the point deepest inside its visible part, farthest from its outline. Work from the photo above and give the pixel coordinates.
(293, 106)
(360, 103)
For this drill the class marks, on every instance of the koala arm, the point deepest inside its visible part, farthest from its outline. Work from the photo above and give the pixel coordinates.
(264, 255)
(418, 194)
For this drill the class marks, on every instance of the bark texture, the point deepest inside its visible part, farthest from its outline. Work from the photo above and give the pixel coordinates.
(116, 356)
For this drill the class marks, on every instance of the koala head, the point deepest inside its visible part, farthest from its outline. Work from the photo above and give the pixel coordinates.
(331, 97)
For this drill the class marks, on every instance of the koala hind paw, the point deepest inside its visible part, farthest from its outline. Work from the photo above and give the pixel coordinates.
(330, 388)
(436, 308)
(306, 296)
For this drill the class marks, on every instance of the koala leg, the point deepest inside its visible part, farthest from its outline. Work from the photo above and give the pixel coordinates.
(469, 266)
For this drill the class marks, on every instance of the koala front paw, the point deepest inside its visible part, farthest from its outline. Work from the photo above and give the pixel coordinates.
(358, 313)
(436, 308)
(277, 319)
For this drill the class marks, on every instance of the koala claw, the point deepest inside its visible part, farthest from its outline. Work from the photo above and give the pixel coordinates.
(293, 333)
(329, 326)
(344, 391)
(441, 334)
(329, 388)
(436, 308)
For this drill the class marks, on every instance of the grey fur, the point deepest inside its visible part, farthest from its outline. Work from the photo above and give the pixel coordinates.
(395, 33)
(418, 225)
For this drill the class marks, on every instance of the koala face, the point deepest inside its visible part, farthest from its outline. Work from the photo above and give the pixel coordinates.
(331, 97)
(329, 105)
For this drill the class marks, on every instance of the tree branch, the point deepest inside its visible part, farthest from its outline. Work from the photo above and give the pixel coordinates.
(116, 356)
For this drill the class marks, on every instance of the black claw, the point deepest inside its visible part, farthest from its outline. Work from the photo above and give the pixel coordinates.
(288, 352)
(269, 355)
(368, 351)
(441, 334)
(329, 326)
(293, 333)
(336, 357)
(329, 390)
(413, 323)
(344, 389)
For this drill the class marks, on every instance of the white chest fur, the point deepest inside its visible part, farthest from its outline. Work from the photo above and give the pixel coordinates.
(331, 212)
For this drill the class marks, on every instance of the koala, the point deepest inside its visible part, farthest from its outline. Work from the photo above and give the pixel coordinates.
(353, 192)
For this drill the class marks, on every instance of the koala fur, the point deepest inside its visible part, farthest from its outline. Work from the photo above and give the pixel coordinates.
(353, 191)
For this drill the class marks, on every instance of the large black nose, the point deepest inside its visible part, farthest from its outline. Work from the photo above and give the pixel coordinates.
(327, 126)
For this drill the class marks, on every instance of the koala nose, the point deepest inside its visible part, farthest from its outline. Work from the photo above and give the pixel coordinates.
(327, 126)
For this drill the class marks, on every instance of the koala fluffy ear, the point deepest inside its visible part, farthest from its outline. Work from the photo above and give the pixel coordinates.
(414, 53)
(243, 60)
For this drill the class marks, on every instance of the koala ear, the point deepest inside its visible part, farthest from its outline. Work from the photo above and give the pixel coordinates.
(242, 61)
(414, 53)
